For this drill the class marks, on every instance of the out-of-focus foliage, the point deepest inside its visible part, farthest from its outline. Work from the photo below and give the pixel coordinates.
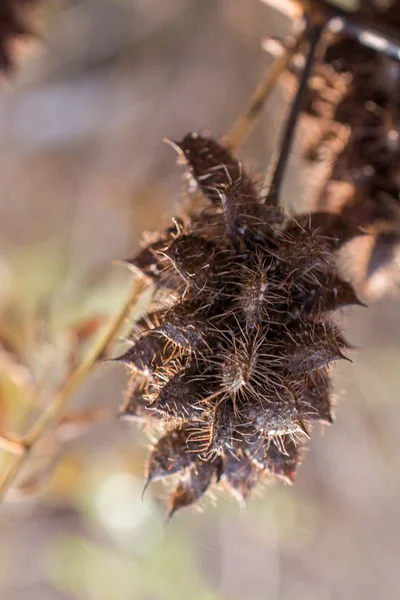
(48, 327)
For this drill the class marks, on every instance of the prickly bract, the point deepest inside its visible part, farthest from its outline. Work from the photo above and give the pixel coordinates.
(231, 365)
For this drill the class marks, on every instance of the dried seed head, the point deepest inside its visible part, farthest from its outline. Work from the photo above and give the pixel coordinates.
(353, 112)
(236, 368)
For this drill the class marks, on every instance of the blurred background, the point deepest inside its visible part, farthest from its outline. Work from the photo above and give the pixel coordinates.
(83, 171)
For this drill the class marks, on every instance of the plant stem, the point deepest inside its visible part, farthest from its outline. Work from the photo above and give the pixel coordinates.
(11, 444)
(290, 126)
(244, 125)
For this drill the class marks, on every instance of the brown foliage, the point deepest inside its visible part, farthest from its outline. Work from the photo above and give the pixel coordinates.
(353, 114)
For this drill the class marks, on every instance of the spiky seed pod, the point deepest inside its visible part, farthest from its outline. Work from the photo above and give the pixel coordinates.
(236, 366)
(354, 150)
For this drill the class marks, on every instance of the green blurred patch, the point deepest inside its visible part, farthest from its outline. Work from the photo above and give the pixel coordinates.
(93, 572)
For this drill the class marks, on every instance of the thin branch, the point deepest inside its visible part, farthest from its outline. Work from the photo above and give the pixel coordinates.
(290, 127)
(377, 35)
(381, 39)
(11, 444)
(244, 125)
(288, 8)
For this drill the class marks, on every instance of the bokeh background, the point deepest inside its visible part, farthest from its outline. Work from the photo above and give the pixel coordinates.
(83, 171)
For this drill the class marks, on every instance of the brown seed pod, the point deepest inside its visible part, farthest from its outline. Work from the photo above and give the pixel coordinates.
(236, 368)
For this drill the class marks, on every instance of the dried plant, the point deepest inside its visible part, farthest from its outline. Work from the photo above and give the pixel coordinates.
(231, 363)
(230, 366)
(351, 137)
